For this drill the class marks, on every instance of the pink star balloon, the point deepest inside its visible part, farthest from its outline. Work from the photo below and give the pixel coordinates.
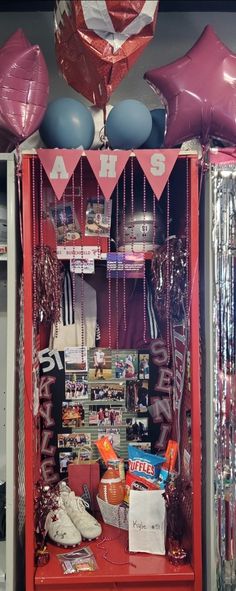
(199, 91)
(24, 90)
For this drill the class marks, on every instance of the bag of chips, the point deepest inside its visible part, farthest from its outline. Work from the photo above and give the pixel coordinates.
(143, 464)
(137, 483)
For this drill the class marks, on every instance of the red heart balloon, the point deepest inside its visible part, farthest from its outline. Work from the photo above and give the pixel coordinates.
(98, 42)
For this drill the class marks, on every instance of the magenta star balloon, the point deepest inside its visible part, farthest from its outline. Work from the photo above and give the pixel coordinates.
(24, 90)
(199, 91)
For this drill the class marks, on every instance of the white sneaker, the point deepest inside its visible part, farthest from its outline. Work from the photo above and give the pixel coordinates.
(61, 530)
(86, 524)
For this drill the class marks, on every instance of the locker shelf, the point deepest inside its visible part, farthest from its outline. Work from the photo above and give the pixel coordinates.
(124, 569)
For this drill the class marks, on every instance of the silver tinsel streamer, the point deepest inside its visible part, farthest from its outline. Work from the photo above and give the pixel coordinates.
(223, 179)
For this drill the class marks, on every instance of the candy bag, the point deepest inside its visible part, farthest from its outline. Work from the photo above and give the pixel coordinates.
(105, 449)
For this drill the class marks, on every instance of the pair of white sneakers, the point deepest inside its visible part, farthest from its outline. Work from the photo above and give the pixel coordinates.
(71, 522)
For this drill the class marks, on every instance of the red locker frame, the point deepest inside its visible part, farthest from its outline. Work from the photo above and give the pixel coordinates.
(150, 572)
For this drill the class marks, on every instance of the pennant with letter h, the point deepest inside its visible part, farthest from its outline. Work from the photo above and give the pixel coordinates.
(107, 167)
(59, 166)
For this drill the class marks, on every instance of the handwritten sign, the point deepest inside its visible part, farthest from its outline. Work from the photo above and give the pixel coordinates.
(147, 529)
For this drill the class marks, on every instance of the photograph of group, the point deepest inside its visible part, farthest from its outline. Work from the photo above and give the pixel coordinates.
(72, 414)
(137, 429)
(76, 386)
(73, 439)
(108, 391)
(105, 415)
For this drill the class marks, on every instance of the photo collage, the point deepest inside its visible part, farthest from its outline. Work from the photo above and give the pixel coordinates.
(106, 394)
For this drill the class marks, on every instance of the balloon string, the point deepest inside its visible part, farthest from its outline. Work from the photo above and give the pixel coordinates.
(101, 546)
(204, 166)
(19, 175)
(104, 116)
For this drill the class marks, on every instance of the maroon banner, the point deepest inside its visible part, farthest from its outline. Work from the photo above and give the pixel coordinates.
(59, 166)
(179, 352)
(157, 166)
(161, 390)
(107, 167)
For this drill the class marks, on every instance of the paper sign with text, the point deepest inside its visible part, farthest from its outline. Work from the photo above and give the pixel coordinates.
(147, 527)
(125, 264)
(82, 266)
(74, 252)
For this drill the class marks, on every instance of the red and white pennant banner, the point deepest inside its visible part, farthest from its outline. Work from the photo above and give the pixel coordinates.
(107, 167)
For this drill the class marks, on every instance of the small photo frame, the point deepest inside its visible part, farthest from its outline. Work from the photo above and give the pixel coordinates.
(76, 386)
(141, 396)
(74, 440)
(100, 364)
(113, 391)
(76, 359)
(112, 434)
(98, 217)
(137, 429)
(131, 395)
(66, 226)
(65, 458)
(137, 396)
(107, 415)
(143, 366)
(72, 414)
(125, 364)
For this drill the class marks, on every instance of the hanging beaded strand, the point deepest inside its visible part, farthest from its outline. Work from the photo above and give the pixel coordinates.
(154, 222)
(82, 256)
(41, 206)
(64, 216)
(124, 222)
(109, 297)
(168, 345)
(144, 250)
(98, 235)
(34, 247)
(73, 252)
(56, 270)
(117, 274)
(132, 200)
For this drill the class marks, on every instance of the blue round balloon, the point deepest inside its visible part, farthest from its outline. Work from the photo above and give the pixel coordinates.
(67, 124)
(156, 137)
(128, 125)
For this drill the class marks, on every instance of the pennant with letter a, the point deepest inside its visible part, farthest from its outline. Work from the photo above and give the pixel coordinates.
(59, 166)
(107, 167)
(157, 166)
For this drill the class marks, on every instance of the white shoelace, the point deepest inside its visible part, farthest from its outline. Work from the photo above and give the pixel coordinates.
(82, 504)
